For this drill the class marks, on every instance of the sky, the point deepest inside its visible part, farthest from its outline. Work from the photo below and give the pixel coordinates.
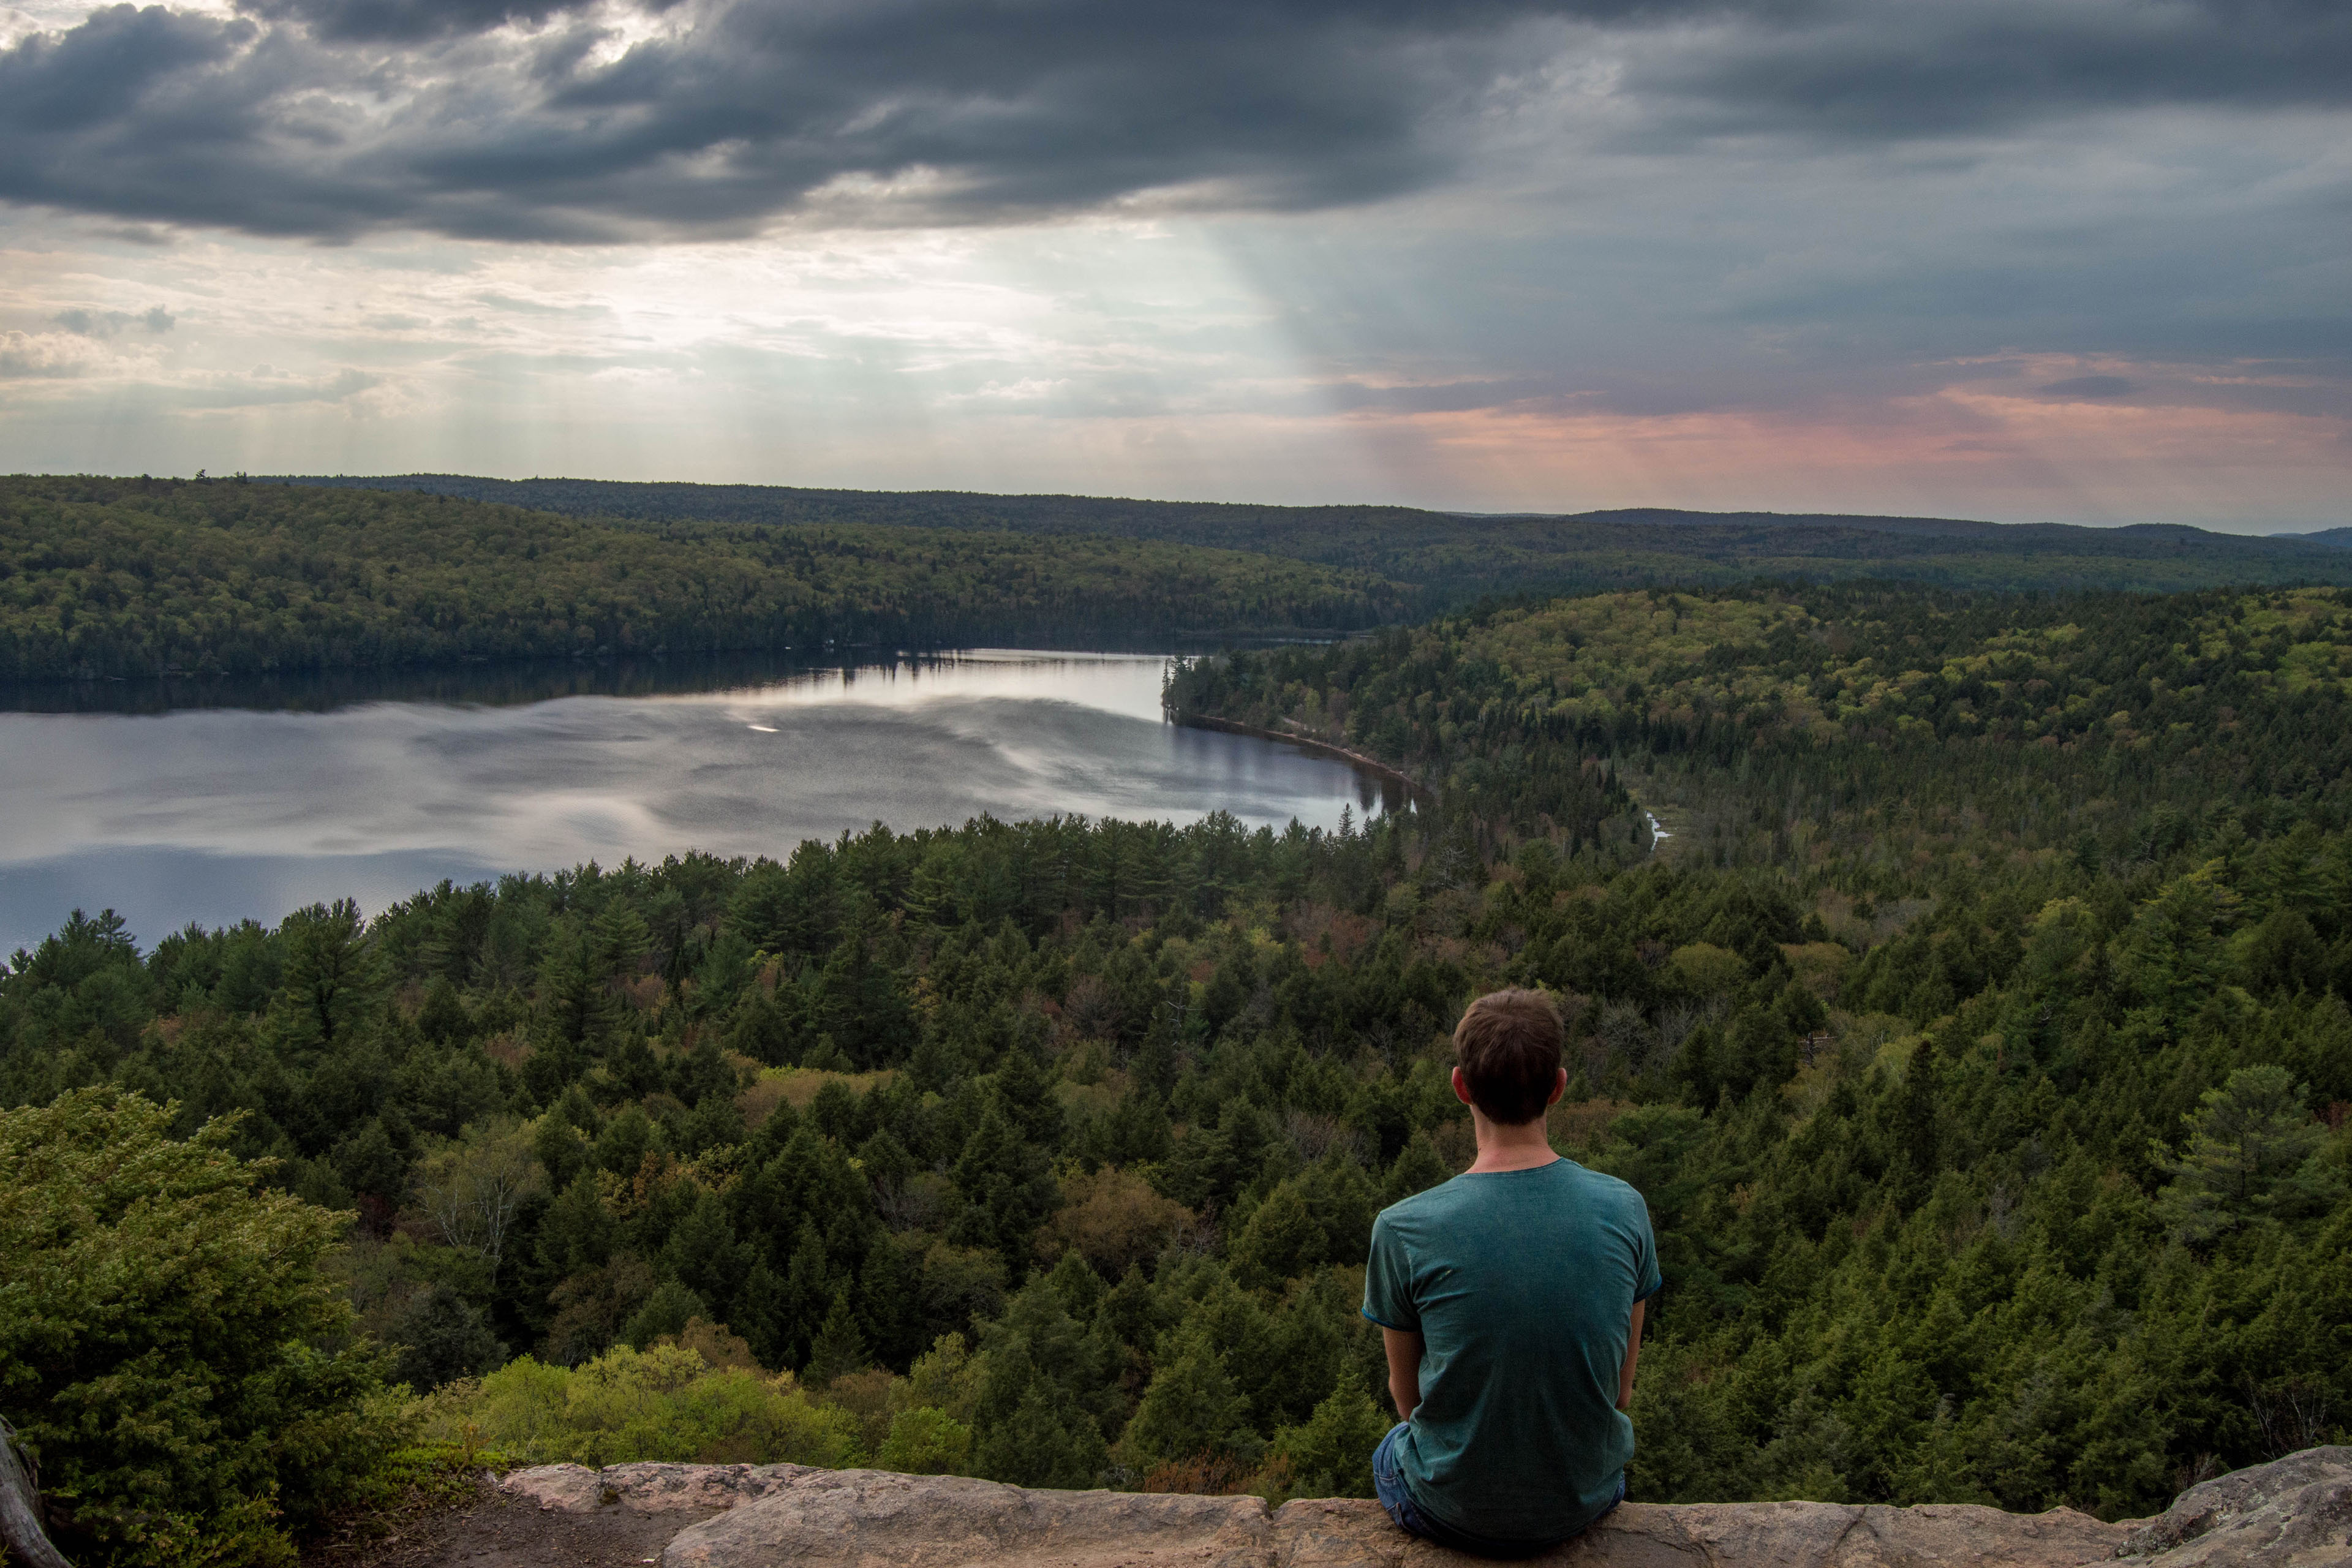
(2071, 260)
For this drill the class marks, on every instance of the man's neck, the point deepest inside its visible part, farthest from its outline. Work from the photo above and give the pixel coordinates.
(1506, 1148)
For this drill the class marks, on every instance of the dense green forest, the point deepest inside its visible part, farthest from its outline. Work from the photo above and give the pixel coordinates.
(111, 577)
(1456, 557)
(131, 577)
(1981, 1045)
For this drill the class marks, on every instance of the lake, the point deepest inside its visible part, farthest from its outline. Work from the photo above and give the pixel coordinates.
(187, 801)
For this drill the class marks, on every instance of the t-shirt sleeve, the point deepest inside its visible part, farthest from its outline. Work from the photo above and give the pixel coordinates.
(1388, 1282)
(1645, 1255)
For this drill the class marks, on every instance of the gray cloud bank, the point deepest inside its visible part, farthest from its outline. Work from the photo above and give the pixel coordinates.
(108, 324)
(552, 120)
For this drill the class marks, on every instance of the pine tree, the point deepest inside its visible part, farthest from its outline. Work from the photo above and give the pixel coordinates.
(1418, 1167)
(1046, 1441)
(761, 1315)
(1006, 1184)
(571, 993)
(703, 1253)
(1330, 1455)
(807, 1296)
(333, 980)
(442, 1337)
(760, 1029)
(664, 1316)
(2250, 1154)
(442, 1016)
(1028, 1100)
(619, 938)
(1076, 1286)
(1190, 1409)
(888, 1306)
(723, 975)
(837, 1347)
(1282, 1240)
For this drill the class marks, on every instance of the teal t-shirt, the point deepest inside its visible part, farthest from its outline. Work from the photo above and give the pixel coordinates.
(1521, 1285)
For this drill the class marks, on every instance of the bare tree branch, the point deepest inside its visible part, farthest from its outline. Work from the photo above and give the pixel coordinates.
(20, 1510)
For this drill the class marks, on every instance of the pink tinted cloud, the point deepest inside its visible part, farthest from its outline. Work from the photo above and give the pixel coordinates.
(2025, 438)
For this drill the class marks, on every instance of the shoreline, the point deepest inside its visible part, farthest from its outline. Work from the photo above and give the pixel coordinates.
(523, 678)
(1414, 789)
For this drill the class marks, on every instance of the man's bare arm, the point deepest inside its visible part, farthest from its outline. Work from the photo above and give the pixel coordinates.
(1624, 1376)
(1404, 1368)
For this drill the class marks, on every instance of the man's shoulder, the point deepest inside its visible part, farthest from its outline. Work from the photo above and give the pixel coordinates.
(1429, 1203)
(1599, 1187)
(1590, 1188)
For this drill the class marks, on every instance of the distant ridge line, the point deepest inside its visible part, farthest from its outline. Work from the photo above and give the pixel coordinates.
(478, 487)
(546, 491)
(1457, 559)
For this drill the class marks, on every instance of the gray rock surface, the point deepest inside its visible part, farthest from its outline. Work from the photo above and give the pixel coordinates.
(1350, 1533)
(864, 1519)
(2295, 1513)
(652, 1488)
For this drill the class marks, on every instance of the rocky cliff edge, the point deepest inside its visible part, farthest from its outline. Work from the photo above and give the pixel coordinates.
(2295, 1512)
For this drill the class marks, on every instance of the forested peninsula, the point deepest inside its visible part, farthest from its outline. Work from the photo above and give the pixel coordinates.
(103, 577)
(1979, 1044)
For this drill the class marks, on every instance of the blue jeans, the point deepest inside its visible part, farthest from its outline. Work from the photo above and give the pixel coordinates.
(1390, 1484)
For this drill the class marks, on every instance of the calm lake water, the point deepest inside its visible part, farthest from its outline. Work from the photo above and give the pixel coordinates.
(315, 791)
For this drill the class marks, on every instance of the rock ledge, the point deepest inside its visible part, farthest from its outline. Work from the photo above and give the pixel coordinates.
(2294, 1513)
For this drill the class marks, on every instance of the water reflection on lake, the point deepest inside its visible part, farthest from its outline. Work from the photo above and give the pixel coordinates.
(215, 813)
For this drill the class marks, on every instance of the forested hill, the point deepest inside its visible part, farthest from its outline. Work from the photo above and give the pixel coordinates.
(1844, 727)
(1459, 557)
(1984, 1059)
(124, 577)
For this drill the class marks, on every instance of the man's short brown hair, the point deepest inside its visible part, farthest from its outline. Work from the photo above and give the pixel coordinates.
(1508, 1046)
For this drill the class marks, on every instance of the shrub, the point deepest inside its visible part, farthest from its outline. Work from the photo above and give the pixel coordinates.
(170, 1351)
(1114, 1220)
(666, 1403)
(926, 1442)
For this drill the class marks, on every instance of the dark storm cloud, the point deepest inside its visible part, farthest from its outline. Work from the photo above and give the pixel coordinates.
(507, 117)
(403, 21)
(1873, 72)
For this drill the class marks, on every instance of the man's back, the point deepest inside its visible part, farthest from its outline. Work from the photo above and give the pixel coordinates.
(1521, 1284)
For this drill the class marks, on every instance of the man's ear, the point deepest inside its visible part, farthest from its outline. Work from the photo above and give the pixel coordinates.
(1462, 1086)
(1559, 1085)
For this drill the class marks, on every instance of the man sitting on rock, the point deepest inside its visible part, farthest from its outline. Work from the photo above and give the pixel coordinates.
(1510, 1298)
